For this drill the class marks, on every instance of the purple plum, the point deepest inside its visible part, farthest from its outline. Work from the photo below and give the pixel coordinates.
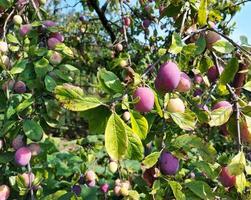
(146, 99)
(168, 163)
(23, 156)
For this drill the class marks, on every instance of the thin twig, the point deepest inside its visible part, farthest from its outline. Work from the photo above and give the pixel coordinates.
(37, 10)
(235, 101)
(124, 31)
(183, 22)
(30, 182)
(5, 24)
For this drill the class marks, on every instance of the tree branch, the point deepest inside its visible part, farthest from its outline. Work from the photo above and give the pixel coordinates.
(103, 19)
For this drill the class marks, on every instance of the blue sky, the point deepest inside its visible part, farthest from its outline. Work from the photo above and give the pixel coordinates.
(243, 22)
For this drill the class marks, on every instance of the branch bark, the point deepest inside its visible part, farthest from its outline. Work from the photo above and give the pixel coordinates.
(103, 19)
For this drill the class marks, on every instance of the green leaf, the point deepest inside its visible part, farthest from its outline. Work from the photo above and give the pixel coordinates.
(202, 13)
(151, 159)
(237, 164)
(72, 98)
(185, 121)
(33, 130)
(201, 45)
(12, 39)
(187, 142)
(177, 190)
(204, 64)
(157, 105)
(42, 67)
(247, 86)
(19, 66)
(177, 44)
(50, 83)
(229, 72)
(201, 189)
(7, 126)
(116, 139)
(139, 124)
(25, 104)
(223, 46)
(135, 149)
(220, 116)
(6, 157)
(110, 80)
(97, 119)
(241, 183)
(206, 168)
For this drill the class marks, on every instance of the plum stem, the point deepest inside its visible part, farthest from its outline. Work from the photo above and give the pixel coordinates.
(5, 24)
(37, 10)
(30, 182)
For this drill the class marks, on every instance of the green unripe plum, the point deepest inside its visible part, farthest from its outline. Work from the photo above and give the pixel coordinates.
(4, 192)
(17, 19)
(42, 2)
(123, 63)
(113, 166)
(126, 116)
(56, 58)
(124, 191)
(176, 105)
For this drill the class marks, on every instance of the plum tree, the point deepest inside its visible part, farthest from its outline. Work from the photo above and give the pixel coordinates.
(198, 79)
(146, 23)
(104, 187)
(53, 42)
(184, 84)
(90, 175)
(197, 92)
(49, 23)
(3, 47)
(17, 19)
(226, 179)
(213, 73)
(20, 87)
(175, 105)
(18, 142)
(113, 166)
(1, 144)
(119, 47)
(76, 189)
(8, 85)
(222, 104)
(25, 29)
(168, 164)
(34, 148)
(28, 178)
(23, 156)
(146, 99)
(55, 58)
(4, 192)
(245, 133)
(58, 36)
(211, 37)
(168, 77)
(127, 21)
